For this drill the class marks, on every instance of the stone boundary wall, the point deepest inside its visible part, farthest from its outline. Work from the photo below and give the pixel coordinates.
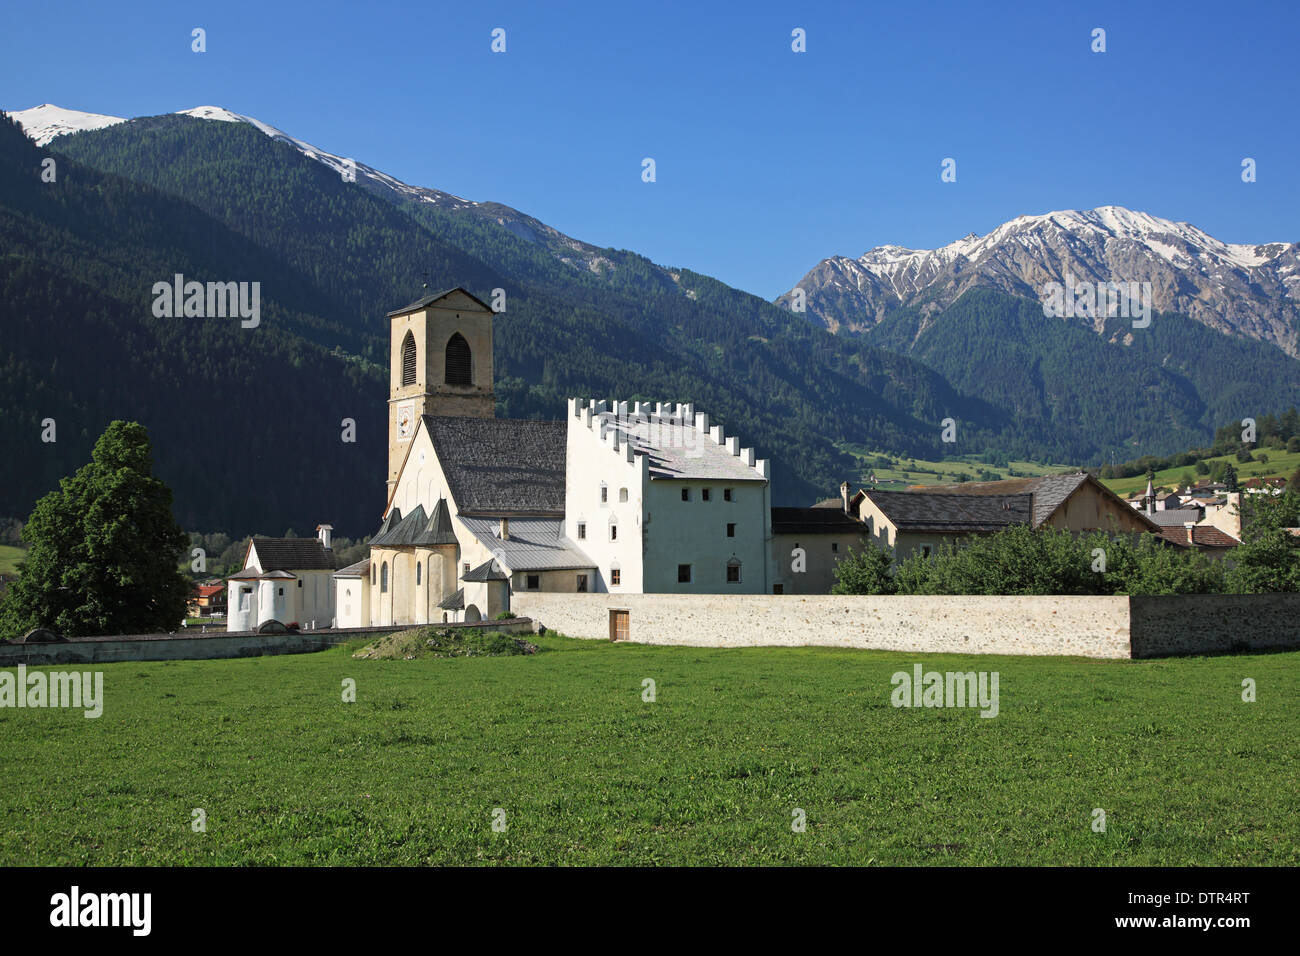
(1102, 627)
(1165, 625)
(1042, 625)
(214, 645)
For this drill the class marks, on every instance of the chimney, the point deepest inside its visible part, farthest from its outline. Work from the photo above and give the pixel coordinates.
(323, 533)
(1191, 529)
(844, 495)
(504, 533)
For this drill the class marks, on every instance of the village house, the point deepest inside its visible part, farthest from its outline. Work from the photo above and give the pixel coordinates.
(908, 522)
(207, 600)
(285, 580)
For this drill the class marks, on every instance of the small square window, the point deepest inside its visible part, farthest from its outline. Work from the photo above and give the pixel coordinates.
(615, 576)
(582, 583)
(281, 592)
(582, 530)
(683, 574)
(466, 571)
(778, 588)
(534, 582)
(686, 494)
(733, 573)
(726, 494)
(704, 493)
(731, 530)
(835, 546)
(925, 550)
(300, 583)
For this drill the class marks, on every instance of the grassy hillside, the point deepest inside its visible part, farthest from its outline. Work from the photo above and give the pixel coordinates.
(1280, 464)
(899, 471)
(636, 331)
(586, 772)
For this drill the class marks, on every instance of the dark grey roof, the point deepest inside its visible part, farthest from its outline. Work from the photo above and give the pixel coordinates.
(1174, 517)
(293, 554)
(1049, 491)
(497, 466)
(924, 511)
(404, 532)
(389, 523)
(417, 529)
(489, 570)
(815, 520)
(438, 530)
(359, 570)
(455, 602)
(427, 300)
(535, 544)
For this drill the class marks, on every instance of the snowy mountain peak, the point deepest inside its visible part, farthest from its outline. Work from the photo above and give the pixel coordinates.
(43, 123)
(1251, 289)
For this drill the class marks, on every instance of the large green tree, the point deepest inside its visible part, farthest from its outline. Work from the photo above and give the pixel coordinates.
(1268, 558)
(103, 548)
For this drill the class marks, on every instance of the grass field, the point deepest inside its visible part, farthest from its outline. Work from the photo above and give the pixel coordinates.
(709, 773)
(9, 558)
(902, 472)
(1280, 464)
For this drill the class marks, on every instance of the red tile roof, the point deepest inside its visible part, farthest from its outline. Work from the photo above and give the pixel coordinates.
(1204, 536)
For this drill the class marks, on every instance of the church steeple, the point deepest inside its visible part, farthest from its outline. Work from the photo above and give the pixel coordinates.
(440, 364)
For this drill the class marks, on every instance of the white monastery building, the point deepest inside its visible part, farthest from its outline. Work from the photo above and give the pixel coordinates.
(619, 497)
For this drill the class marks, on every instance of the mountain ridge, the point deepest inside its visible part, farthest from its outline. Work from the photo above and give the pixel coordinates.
(1235, 288)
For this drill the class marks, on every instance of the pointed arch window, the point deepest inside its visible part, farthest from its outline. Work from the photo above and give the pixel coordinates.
(383, 578)
(460, 363)
(417, 574)
(408, 359)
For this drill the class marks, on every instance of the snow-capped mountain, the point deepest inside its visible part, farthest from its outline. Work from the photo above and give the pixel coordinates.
(46, 122)
(1251, 290)
(43, 123)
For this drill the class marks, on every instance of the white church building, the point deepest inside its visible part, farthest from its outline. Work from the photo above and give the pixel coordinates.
(619, 497)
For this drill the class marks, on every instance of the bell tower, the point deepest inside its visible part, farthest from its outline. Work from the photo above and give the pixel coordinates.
(440, 363)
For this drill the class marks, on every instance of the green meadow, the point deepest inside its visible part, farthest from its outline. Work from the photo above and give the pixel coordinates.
(9, 558)
(563, 751)
(1280, 464)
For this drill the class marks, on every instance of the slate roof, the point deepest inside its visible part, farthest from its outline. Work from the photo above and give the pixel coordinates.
(359, 570)
(948, 513)
(455, 602)
(535, 544)
(427, 300)
(1049, 491)
(498, 466)
(489, 570)
(1174, 517)
(293, 554)
(677, 450)
(417, 529)
(815, 520)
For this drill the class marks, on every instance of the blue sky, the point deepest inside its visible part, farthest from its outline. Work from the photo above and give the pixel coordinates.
(767, 160)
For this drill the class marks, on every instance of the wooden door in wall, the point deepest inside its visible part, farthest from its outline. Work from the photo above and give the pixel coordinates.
(620, 627)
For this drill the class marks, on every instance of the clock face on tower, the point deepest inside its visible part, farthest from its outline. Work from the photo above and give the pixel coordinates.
(405, 420)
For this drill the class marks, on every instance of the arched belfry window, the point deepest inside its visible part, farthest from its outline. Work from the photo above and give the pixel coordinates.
(460, 363)
(408, 359)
